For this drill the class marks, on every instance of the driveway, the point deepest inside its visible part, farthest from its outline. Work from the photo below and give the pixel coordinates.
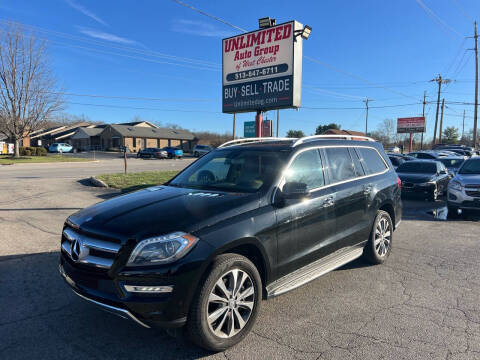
(424, 303)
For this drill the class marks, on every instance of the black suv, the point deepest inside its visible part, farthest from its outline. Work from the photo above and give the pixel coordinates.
(247, 221)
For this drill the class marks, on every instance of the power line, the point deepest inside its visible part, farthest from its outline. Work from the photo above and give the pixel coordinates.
(443, 25)
(143, 108)
(210, 15)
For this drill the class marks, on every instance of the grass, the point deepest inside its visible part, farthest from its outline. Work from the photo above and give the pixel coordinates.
(138, 180)
(8, 160)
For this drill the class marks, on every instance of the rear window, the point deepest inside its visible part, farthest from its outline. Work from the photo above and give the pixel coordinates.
(419, 167)
(452, 163)
(371, 160)
(340, 164)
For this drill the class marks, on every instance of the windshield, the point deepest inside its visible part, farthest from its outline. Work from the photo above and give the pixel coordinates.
(236, 170)
(470, 167)
(452, 163)
(419, 167)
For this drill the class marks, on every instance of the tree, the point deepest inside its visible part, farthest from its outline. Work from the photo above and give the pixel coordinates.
(450, 135)
(322, 128)
(28, 92)
(295, 134)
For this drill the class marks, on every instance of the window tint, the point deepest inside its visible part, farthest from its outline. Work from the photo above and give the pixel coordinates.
(307, 168)
(340, 164)
(371, 161)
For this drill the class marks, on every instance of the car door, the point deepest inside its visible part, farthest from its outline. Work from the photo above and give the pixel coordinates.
(305, 227)
(350, 192)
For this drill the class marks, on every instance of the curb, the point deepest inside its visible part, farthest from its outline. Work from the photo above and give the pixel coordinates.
(96, 182)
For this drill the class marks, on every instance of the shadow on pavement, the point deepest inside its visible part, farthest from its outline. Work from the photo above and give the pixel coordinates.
(45, 320)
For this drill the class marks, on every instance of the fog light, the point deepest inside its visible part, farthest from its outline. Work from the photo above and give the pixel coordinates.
(148, 289)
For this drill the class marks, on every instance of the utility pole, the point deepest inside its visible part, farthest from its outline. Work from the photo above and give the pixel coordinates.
(463, 125)
(476, 90)
(423, 114)
(441, 122)
(366, 116)
(278, 120)
(234, 124)
(439, 81)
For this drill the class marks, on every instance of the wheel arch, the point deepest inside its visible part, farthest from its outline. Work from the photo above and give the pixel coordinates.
(388, 207)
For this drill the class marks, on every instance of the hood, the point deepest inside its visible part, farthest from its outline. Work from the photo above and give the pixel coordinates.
(160, 210)
(468, 179)
(416, 178)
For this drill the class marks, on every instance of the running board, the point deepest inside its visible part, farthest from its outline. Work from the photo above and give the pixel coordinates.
(314, 270)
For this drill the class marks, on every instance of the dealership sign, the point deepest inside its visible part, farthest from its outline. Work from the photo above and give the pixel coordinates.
(262, 70)
(411, 125)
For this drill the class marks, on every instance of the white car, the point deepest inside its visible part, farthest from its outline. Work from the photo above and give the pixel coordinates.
(464, 188)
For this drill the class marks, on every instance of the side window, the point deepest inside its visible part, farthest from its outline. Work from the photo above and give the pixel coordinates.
(340, 164)
(307, 168)
(371, 160)
(415, 155)
(356, 163)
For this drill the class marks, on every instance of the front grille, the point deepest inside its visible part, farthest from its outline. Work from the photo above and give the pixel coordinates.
(89, 251)
(474, 193)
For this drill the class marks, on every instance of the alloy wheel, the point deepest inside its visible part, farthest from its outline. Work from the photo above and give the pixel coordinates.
(230, 303)
(383, 236)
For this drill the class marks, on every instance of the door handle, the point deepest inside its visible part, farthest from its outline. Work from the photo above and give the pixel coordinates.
(367, 190)
(328, 202)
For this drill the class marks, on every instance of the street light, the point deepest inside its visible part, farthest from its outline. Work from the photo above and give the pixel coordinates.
(266, 22)
(304, 33)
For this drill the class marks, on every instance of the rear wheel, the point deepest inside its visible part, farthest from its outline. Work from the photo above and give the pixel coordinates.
(226, 305)
(379, 244)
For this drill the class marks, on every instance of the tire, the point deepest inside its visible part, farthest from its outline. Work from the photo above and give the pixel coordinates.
(196, 154)
(379, 244)
(452, 211)
(215, 335)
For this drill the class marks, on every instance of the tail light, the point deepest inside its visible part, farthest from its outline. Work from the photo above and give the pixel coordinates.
(399, 182)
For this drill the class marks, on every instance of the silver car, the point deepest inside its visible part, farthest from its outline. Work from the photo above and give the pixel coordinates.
(464, 188)
(200, 150)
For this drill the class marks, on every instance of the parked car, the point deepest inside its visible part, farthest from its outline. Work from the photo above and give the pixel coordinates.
(60, 148)
(204, 249)
(173, 152)
(426, 155)
(452, 163)
(464, 189)
(152, 153)
(200, 150)
(424, 177)
(396, 160)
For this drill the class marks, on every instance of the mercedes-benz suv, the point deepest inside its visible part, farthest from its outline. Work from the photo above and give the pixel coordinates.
(248, 221)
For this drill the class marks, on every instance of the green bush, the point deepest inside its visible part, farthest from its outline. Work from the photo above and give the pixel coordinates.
(32, 151)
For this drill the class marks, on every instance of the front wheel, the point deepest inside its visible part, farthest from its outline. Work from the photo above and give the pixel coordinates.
(226, 305)
(379, 244)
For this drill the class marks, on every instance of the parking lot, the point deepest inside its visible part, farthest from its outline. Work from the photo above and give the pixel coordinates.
(424, 303)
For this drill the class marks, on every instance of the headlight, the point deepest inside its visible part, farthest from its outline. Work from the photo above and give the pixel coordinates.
(162, 249)
(455, 185)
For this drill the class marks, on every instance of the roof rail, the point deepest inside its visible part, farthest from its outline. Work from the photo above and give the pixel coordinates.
(252, 140)
(331, 137)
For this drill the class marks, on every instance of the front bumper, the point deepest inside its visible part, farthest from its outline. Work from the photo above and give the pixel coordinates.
(108, 289)
(459, 199)
(417, 189)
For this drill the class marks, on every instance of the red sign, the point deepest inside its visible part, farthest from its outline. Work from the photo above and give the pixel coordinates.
(411, 125)
(267, 128)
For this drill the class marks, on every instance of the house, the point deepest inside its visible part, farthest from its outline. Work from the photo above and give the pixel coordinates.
(62, 133)
(138, 136)
(88, 138)
(344, 132)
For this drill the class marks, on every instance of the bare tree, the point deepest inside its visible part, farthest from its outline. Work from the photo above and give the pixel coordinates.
(28, 91)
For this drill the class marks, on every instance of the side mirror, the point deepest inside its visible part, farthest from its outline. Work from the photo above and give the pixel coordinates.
(294, 190)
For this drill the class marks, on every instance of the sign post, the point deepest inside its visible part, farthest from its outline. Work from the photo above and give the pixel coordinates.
(262, 70)
(410, 126)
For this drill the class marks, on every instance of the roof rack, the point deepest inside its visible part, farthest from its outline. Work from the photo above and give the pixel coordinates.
(331, 137)
(253, 140)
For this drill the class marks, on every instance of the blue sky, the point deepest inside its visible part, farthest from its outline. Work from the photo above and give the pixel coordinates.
(162, 50)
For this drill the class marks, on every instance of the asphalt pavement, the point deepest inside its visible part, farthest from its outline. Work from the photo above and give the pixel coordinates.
(424, 303)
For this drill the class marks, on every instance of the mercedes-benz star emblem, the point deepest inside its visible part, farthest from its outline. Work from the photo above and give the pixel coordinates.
(78, 250)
